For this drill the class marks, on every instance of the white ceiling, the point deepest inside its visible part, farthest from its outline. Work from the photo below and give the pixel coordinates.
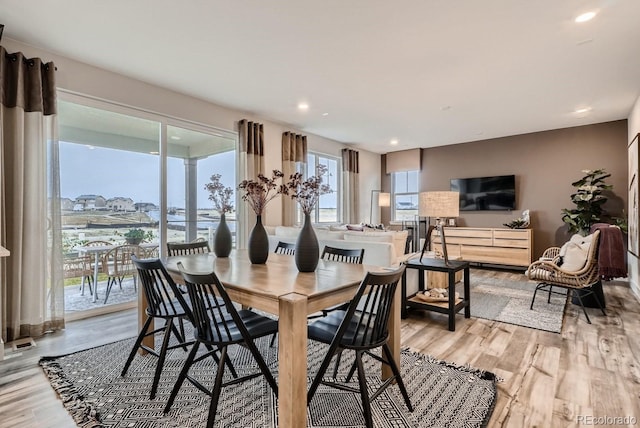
(424, 72)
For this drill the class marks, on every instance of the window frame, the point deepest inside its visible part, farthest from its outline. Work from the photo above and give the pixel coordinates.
(315, 215)
(395, 194)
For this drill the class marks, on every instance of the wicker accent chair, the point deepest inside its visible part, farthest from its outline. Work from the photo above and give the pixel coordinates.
(548, 275)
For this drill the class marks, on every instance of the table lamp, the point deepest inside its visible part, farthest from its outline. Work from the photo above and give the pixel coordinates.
(384, 200)
(440, 205)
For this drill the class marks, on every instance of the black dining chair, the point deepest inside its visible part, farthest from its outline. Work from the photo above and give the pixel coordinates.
(186, 248)
(362, 327)
(219, 326)
(164, 302)
(285, 248)
(344, 255)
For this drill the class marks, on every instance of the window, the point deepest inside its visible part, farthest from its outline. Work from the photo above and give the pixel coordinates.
(328, 208)
(405, 195)
(113, 162)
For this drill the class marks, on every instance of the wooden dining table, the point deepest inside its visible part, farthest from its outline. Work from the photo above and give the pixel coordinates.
(277, 287)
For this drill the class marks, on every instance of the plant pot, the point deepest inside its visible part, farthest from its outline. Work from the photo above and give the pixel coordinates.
(258, 243)
(133, 241)
(307, 248)
(222, 239)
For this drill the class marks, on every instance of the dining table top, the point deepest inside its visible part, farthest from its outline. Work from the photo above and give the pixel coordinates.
(275, 278)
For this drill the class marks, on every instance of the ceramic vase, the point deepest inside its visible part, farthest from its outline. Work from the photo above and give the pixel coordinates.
(222, 239)
(258, 243)
(307, 249)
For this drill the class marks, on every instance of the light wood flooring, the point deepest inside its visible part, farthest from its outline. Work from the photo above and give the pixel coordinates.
(550, 379)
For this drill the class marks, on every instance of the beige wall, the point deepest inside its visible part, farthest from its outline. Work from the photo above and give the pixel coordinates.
(634, 262)
(544, 163)
(85, 79)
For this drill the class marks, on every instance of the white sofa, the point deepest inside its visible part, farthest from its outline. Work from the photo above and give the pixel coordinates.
(380, 248)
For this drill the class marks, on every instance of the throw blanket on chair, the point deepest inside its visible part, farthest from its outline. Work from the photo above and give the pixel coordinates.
(611, 261)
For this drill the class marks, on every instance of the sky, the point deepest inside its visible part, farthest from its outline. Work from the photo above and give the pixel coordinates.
(111, 173)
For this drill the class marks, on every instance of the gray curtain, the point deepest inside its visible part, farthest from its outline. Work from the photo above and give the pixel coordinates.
(31, 283)
(251, 136)
(294, 151)
(350, 186)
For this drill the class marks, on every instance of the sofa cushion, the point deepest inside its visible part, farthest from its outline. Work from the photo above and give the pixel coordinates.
(328, 234)
(287, 231)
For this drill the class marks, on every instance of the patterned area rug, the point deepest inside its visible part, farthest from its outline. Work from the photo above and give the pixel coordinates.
(92, 390)
(508, 301)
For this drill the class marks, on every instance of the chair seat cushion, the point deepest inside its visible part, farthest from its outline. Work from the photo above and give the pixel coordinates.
(325, 329)
(256, 324)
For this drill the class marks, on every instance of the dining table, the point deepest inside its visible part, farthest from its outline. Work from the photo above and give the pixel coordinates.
(276, 287)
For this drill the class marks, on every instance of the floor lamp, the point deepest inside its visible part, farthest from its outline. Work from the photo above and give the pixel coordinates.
(441, 205)
(384, 200)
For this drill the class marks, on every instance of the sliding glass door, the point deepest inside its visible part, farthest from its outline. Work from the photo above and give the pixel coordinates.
(124, 172)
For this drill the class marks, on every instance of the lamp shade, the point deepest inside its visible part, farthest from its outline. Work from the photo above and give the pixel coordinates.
(439, 204)
(384, 199)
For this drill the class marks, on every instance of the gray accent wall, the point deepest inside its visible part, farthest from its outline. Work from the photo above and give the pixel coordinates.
(544, 163)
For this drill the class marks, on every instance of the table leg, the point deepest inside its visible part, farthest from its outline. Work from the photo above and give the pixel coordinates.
(292, 361)
(148, 341)
(95, 278)
(394, 334)
(452, 300)
(403, 297)
(467, 293)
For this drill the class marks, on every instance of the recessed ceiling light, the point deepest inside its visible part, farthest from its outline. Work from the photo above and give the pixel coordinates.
(303, 106)
(582, 110)
(393, 142)
(588, 16)
(325, 114)
(175, 137)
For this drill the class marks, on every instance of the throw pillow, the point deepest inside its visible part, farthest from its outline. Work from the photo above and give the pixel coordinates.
(353, 227)
(574, 253)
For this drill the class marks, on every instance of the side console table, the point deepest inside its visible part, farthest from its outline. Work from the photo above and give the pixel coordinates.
(450, 307)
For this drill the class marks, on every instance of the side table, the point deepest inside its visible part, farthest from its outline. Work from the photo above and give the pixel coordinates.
(450, 307)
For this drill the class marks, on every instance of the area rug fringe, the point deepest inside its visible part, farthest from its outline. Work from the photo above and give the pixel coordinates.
(83, 413)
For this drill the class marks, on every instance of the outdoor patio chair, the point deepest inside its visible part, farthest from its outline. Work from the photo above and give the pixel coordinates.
(79, 267)
(362, 327)
(96, 243)
(218, 327)
(550, 272)
(117, 264)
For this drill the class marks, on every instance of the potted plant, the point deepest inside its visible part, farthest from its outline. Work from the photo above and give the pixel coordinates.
(258, 193)
(307, 192)
(589, 200)
(136, 236)
(220, 196)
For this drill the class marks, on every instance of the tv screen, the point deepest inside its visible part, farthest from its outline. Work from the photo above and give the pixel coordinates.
(486, 193)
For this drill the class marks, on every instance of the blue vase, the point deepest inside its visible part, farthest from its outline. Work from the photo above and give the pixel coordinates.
(307, 248)
(222, 239)
(258, 243)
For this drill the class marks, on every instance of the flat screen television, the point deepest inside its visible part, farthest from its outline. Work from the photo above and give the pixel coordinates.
(486, 193)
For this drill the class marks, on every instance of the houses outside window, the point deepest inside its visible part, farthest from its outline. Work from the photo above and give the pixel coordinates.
(123, 169)
(404, 195)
